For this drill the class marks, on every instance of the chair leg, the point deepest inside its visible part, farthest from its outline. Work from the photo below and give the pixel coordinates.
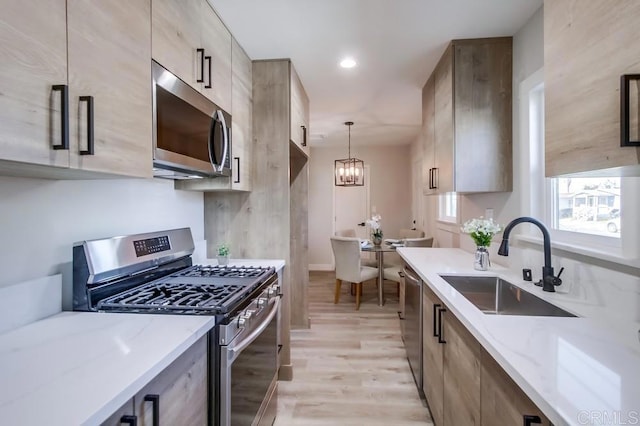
(337, 295)
(358, 294)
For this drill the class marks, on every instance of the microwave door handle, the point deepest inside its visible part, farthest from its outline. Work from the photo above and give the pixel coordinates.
(212, 141)
(225, 138)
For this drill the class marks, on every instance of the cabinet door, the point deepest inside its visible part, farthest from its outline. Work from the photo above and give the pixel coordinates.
(428, 135)
(503, 402)
(33, 54)
(432, 355)
(216, 41)
(176, 36)
(444, 122)
(181, 390)
(242, 113)
(461, 375)
(482, 111)
(299, 113)
(582, 109)
(109, 60)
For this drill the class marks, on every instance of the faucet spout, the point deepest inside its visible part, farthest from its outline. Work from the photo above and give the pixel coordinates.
(549, 281)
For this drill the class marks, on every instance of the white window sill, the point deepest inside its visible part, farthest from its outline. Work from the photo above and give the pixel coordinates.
(452, 227)
(612, 255)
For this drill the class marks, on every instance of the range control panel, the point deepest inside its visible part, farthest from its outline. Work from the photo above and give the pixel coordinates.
(151, 245)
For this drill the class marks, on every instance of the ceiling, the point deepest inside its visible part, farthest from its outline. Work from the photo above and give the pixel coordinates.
(395, 43)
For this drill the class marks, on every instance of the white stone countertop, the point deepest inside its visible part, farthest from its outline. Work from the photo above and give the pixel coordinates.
(77, 368)
(577, 370)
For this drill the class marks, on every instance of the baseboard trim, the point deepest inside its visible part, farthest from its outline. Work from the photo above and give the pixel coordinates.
(321, 267)
(285, 373)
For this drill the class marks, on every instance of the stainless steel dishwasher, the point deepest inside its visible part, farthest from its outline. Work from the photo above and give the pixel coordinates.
(412, 330)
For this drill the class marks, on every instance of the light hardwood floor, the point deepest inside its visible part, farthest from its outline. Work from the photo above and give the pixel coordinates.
(350, 367)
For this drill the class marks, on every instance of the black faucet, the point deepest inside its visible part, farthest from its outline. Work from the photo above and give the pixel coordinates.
(548, 281)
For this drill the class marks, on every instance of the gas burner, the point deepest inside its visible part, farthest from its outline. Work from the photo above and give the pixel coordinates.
(225, 271)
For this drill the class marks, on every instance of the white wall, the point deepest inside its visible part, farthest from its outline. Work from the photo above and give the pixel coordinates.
(41, 219)
(390, 193)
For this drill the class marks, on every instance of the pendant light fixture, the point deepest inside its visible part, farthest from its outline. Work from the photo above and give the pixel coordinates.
(349, 171)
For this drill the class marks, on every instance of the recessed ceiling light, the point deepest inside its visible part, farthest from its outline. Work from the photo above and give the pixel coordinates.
(348, 63)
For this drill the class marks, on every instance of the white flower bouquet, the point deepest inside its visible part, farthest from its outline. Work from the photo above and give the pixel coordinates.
(481, 230)
(374, 223)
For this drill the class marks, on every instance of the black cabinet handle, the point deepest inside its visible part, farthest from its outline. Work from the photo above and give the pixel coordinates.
(155, 400)
(208, 59)
(440, 312)
(435, 178)
(90, 125)
(430, 178)
(238, 169)
(200, 51)
(304, 135)
(361, 224)
(528, 420)
(436, 306)
(64, 115)
(129, 420)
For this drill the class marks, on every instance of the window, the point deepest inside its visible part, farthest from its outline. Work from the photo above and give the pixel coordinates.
(448, 207)
(586, 205)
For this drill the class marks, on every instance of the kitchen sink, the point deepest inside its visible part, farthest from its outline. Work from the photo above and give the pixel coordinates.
(493, 295)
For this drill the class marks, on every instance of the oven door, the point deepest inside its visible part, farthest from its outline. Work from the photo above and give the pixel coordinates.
(248, 372)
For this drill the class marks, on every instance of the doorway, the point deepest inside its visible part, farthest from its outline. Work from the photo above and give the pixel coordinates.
(351, 207)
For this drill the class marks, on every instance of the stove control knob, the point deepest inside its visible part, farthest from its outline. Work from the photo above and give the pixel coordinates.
(245, 318)
(274, 290)
(242, 321)
(262, 302)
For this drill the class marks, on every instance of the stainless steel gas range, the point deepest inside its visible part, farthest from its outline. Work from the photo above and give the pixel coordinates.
(153, 273)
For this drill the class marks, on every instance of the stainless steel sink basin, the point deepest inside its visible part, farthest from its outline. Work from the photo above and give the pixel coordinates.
(493, 295)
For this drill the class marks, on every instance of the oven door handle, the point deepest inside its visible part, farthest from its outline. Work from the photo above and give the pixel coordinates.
(234, 349)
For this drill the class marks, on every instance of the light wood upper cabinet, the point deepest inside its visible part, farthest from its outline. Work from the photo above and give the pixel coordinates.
(100, 53)
(109, 60)
(241, 131)
(216, 41)
(180, 28)
(299, 113)
(176, 34)
(33, 54)
(588, 45)
(503, 402)
(471, 92)
(427, 133)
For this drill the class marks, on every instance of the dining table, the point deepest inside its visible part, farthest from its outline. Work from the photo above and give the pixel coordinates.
(380, 250)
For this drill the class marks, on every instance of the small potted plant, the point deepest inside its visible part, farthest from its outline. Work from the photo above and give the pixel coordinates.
(481, 232)
(223, 254)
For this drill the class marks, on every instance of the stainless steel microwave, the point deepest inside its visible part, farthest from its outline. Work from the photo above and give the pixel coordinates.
(191, 135)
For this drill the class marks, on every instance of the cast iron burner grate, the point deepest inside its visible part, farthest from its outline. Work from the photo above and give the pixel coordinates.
(177, 297)
(224, 271)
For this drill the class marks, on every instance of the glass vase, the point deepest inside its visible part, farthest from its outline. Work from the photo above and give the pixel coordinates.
(481, 261)
(376, 240)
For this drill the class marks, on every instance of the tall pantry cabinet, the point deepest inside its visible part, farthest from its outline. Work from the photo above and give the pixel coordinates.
(270, 222)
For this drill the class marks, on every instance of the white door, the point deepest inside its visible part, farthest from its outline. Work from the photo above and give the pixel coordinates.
(351, 207)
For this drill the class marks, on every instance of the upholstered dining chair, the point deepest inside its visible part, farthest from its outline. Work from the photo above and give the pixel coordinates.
(349, 268)
(411, 233)
(351, 233)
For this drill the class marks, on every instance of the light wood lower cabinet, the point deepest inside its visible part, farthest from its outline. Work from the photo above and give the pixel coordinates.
(432, 355)
(177, 396)
(503, 402)
(461, 374)
(463, 384)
